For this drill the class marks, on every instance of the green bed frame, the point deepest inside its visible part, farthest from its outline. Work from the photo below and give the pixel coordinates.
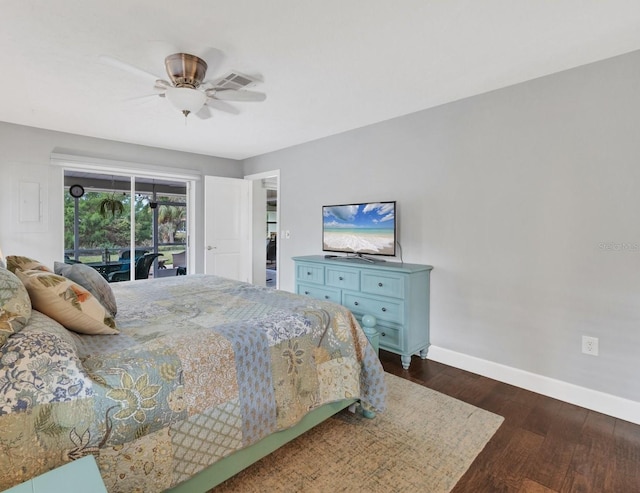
(229, 466)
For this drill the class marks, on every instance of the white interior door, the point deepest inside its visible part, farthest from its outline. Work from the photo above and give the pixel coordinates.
(227, 216)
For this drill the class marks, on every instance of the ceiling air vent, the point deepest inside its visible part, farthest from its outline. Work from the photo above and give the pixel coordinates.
(235, 81)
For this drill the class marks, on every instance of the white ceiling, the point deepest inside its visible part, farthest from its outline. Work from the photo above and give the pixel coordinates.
(328, 65)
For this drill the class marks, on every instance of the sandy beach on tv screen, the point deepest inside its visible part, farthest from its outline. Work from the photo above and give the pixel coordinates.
(370, 243)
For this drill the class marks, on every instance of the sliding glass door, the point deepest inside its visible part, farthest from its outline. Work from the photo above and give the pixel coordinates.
(125, 226)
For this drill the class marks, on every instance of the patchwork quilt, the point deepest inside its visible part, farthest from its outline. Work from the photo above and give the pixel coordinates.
(203, 366)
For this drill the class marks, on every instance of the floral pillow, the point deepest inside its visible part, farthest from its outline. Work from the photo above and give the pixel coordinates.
(15, 305)
(67, 302)
(91, 280)
(16, 262)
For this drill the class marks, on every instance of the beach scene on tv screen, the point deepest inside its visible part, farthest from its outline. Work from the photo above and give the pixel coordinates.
(359, 228)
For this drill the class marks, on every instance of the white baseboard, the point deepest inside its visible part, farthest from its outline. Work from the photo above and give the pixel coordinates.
(567, 392)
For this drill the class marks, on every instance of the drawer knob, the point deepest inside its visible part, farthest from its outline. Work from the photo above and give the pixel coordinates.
(356, 303)
(384, 309)
(308, 273)
(341, 278)
(383, 334)
(306, 292)
(326, 296)
(379, 284)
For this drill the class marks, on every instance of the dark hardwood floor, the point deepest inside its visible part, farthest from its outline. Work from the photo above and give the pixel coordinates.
(544, 445)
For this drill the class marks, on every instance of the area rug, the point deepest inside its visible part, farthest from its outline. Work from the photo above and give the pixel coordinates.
(424, 441)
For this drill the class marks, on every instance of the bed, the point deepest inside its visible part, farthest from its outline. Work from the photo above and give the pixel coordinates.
(205, 376)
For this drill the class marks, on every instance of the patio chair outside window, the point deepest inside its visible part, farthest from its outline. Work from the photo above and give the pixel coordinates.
(143, 266)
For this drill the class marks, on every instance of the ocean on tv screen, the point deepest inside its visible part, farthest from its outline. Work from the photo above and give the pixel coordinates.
(380, 243)
(360, 228)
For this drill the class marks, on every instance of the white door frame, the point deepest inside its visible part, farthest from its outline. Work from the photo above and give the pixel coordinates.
(262, 176)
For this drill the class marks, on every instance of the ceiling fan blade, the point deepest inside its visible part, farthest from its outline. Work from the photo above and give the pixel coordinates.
(119, 64)
(231, 95)
(222, 106)
(214, 58)
(204, 113)
(146, 97)
(162, 85)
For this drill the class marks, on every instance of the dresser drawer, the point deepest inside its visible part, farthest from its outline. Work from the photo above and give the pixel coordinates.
(340, 277)
(319, 292)
(310, 273)
(383, 284)
(384, 309)
(389, 338)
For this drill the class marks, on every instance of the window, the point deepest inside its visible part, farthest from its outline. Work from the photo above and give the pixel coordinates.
(111, 218)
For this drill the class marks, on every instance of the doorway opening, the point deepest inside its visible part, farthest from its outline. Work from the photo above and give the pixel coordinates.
(266, 207)
(271, 273)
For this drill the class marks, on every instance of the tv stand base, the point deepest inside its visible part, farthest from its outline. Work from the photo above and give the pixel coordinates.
(364, 258)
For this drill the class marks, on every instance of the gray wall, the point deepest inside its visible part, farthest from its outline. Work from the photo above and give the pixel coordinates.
(523, 199)
(25, 155)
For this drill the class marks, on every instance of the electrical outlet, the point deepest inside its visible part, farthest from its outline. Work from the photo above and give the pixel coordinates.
(590, 345)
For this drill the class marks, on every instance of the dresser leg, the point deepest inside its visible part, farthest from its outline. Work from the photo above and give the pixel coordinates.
(406, 361)
(423, 353)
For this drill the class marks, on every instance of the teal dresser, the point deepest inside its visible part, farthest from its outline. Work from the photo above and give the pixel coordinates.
(396, 294)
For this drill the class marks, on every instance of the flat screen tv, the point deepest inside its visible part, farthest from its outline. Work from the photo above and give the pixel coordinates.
(366, 228)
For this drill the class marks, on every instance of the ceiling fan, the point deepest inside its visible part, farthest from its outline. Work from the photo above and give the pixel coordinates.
(187, 90)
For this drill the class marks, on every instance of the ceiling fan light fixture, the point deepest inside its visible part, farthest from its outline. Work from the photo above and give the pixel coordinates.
(186, 99)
